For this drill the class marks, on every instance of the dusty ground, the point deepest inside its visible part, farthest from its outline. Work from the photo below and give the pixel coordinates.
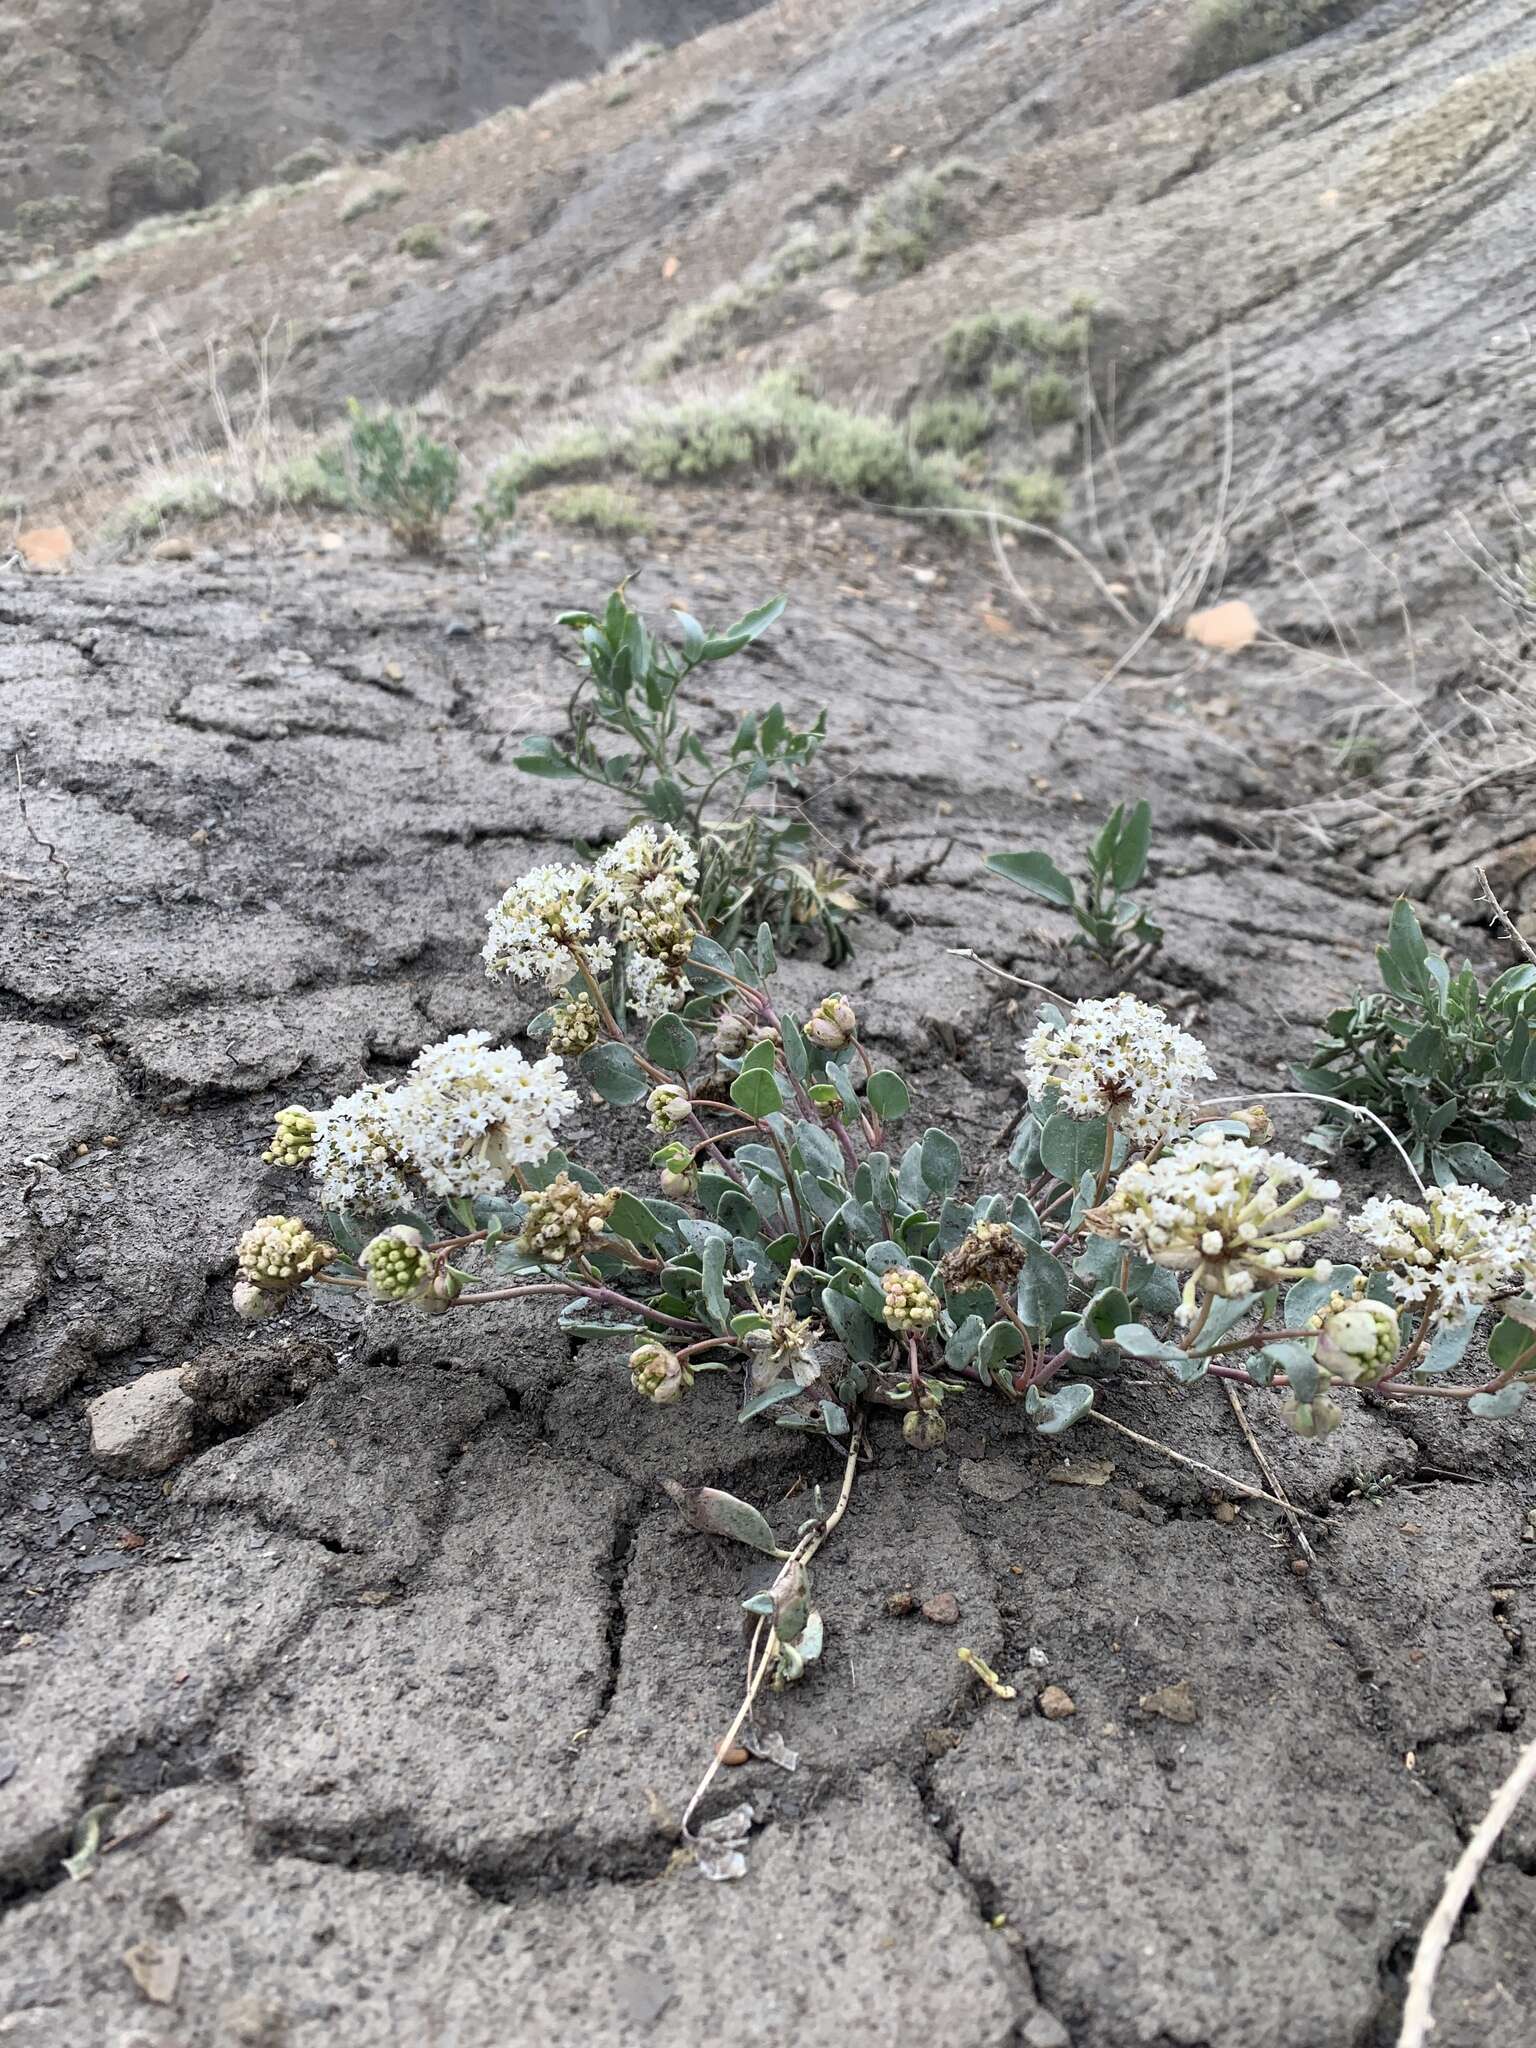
(419, 1671)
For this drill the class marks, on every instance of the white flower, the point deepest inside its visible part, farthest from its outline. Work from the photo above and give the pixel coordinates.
(643, 854)
(541, 921)
(1226, 1213)
(1459, 1249)
(651, 987)
(1119, 1058)
(471, 1111)
(467, 1113)
(358, 1163)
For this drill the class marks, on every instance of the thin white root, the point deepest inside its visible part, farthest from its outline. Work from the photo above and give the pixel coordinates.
(1441, 1924)
(1194, 1464)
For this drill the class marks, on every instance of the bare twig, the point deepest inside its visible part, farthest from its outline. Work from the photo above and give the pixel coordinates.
(1005, 569)
(46, 846)
(1268, 1471)
(802, 1554)
(1195, 1465)
(1441, 1924)
(1035, 532)
(990, 967)
(1502, 917)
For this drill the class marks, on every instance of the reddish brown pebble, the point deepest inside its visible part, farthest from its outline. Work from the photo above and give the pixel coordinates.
(735, 1756)
(943, 1608)
(1224, 1511)
(902, 1602)
(1057, 1704)
(1300, 1567)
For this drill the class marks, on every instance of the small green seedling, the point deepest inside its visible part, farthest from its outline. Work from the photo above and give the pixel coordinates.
(1117, 930)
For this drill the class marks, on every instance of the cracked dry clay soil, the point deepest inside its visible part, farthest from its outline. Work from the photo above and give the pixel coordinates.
(415, 1673)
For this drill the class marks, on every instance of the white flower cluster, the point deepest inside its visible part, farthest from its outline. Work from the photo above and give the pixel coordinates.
(1459, 1249)
(557, 920)
(1226, 1213)
(465, 1116)
(1122, 1059)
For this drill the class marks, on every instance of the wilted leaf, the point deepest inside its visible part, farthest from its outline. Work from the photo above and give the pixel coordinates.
(721, 1514)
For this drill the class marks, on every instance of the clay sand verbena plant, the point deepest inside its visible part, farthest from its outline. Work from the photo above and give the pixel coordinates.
(793, 1247)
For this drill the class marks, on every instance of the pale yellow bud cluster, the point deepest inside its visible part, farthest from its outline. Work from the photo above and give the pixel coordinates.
(669, 1107)
(659, 1375)
(910, 1303)
(574, 1027)
(293, 1140)
(1358, 1340)
(277, 1253)
(832, 1024)
(562, 1220)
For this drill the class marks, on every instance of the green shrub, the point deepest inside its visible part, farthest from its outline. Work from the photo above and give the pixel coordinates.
(1052, 398)
(974, 346)
(188, 500)
(310, 480)
(1034, 494)
(370, 198)
(955, 424)
(305, 164)
(72, 287)
(1229, 34)
(42, 220)
(1448, 1064)
(903, 225)
(775, 427)
(472, 226)
(597, 508)
(397, 474)
(1007, 381)
(422, 241)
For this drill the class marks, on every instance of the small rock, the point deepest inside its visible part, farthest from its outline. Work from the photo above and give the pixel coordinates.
(939, 1741)
(1083, 1472)
(458, 629)
(735, 1756)
(990, 1482)
(156, 1968)
(46, 548)
(143, 1427)
(1224, 1511)
(174, 548)
(943, 1608)
(1056, 1703)
(902, 1602)
(1228, 628)
(1173, 1703)
(253, 2022)
(1044, 2030)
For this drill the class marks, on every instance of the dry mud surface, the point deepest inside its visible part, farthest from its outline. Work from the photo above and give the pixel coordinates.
(415, 1674)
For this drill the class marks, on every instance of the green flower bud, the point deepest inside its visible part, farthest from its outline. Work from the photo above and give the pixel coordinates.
(679, 1172)
(924, 1429)
(397, 1263)
(910, 1303)
(279, 1252)
(1318, 1417)
(659, 1375)
(832, 1024)
(293, 1140)
(1357, 1340)
(668, 1106)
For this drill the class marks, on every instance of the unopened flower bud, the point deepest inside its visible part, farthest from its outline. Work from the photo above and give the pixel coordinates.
(659, 1375)
(1357, 1341)
(562, 1220)
(254, 1304)
(733, 1034)
(832, 1024)
(910, 1303)
(924, 1429)
(574, 1027)
(1318, 1417)
(293, 1140)
(1261, 1126)
(679, 1172)
(397, 1263)
(668, 1106)
(279, 1252)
